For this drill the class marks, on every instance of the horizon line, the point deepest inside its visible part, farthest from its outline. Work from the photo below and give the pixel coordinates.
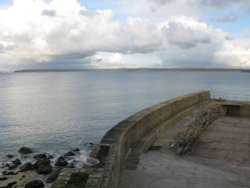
(131, 69)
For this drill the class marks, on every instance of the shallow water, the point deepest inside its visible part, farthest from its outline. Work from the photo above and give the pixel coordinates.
(58, 111)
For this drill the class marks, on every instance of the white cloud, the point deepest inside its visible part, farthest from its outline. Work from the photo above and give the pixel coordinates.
(143, 36)
(105, 60)
(185, 37)
(235, 53)
(118, 60)
(190, 43)
(39, 31)
(55, 31)
(187, 32)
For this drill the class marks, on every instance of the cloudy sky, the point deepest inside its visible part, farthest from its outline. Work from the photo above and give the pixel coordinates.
(125, 33)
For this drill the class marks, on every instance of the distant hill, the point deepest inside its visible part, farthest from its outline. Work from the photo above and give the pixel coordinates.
(134, 69)
(246, 70)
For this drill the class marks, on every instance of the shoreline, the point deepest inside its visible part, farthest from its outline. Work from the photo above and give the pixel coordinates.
(136, 70)
(28, 166)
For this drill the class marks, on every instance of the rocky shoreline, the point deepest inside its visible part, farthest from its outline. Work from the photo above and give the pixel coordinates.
(33, 170)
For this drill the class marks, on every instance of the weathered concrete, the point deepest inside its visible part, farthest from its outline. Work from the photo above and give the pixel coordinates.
(220, 158)
(173, 125)
(138, 132)
(195, 123)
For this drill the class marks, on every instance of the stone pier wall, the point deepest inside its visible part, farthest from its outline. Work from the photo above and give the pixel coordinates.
(233, 108)
(148, 125)
(127, 133)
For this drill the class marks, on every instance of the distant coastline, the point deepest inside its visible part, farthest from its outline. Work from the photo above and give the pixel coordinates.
(135, 69)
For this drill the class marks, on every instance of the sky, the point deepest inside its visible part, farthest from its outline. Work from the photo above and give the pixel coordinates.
(78, 34)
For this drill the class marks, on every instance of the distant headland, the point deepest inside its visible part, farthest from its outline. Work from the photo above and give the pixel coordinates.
(134, 69)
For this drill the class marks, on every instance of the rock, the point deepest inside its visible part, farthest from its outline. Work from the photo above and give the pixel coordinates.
(10, 156)
(9, 185)
(43, 166)
(42, 162)
(50, 156)
(9, 173)
(44, 169)
(12, 167)
(69, 154)
(7, 164)
(34, 184)
(16, 162)
(40, 156)
(2, 165)
(25, 150)
(53, 176)
(78, 179)
(27, 166)
(3, 178)
(61, 162)
(76, 149)
(71, 165)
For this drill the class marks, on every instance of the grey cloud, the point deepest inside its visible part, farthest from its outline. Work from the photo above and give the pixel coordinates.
(156, 4)
(86, 13)
(1, 48)
(5, 48)
(199, 56)
(72, 56)
(230, 17)
(50, 13)
(190, 6)
(193, 7)
(61, 64)
(217, 3)
(185, 37)
(161, 2)
(247, 8)
(141, 49)
(243, 5)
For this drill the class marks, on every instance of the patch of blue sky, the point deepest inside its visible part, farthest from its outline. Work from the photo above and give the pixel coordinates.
(5, 3)
(234, 26)
(94, 5)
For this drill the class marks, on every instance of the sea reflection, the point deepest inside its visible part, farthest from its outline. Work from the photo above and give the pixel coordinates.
(60, 110)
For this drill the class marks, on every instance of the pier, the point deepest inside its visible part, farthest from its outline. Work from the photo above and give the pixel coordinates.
(189, 141)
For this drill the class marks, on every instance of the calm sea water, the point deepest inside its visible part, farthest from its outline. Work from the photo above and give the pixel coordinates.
(52, 111)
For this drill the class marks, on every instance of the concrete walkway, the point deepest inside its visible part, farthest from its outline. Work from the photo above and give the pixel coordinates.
(219, 159)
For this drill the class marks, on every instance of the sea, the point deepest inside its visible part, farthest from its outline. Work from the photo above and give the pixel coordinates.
(58, 111)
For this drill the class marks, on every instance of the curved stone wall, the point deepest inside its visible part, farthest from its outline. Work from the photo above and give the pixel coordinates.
(140, 130)
(118, 141)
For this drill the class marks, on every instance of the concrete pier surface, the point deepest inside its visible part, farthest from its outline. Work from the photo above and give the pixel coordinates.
(220, 158)
(191, 141)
